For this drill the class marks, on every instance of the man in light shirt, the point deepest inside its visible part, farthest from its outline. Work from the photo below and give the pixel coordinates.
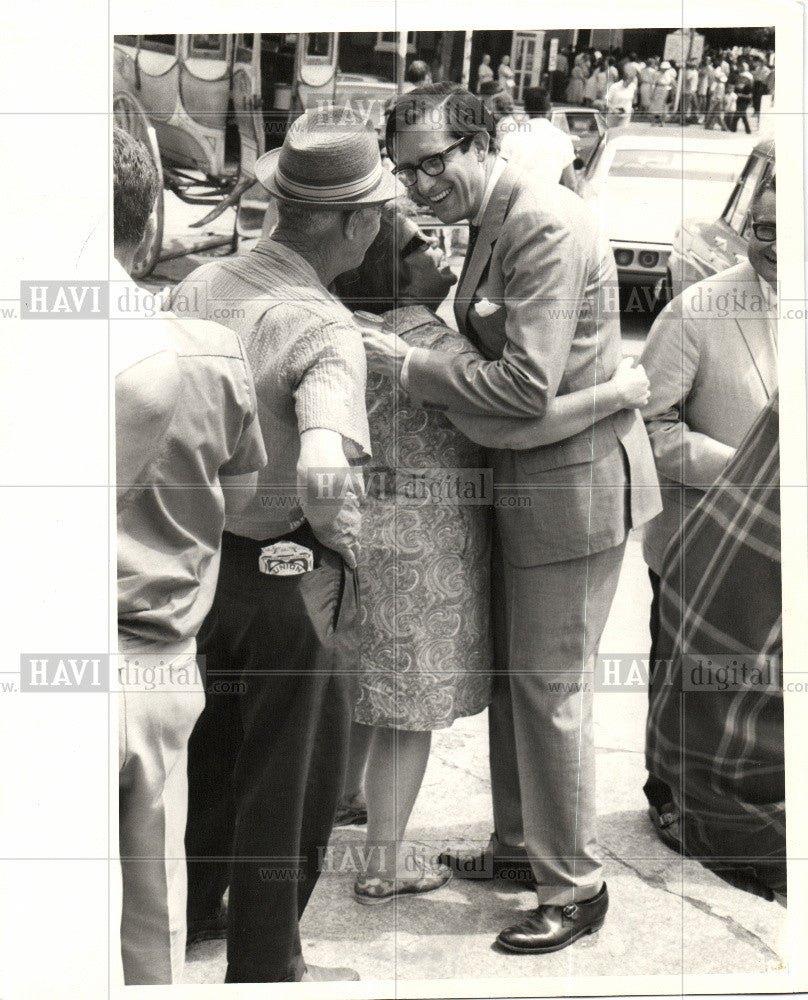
(188, 447)
(538, 146)
(711, 357)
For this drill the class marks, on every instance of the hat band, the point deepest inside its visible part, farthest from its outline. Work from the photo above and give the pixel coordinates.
(339, 192)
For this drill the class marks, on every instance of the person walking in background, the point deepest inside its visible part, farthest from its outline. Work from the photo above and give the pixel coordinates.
(715, 107)
(591, 86)
(267, 764)
(730, 107)
(760, 74)
(538, 146)
(577, 80)
(620, 97)
(418, 73)
(502, 109)
(559, 75)
(690, 100)
(532, 247)
(484, 72)
(703, 90)
(660, 97)
(188, 448)
(712, 371)
(647, 79)
(505, 75)
(744, 84)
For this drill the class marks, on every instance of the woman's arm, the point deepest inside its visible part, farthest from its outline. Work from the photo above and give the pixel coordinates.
(565, 416)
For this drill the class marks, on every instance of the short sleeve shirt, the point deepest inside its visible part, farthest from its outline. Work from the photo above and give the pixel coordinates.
(170, 522)
(308, 361)
(539, 147)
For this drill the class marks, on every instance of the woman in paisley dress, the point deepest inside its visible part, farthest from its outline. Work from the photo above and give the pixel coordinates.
(426, 644)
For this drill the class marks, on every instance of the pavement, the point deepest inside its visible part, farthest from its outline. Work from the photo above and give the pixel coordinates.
(668, 916)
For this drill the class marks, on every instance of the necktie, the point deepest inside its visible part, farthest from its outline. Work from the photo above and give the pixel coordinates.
(474, 232)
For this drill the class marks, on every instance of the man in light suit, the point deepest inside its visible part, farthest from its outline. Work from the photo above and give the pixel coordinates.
(711, 358)
(537, 298)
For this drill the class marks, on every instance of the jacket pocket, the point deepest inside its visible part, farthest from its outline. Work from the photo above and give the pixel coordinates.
(587, 446)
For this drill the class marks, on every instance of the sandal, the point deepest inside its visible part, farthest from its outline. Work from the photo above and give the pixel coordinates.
(351, 812)
(370, 890)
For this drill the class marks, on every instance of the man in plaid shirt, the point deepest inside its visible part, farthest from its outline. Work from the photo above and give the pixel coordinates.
(715, 725)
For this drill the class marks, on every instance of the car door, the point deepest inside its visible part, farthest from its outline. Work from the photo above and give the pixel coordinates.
(723, 244)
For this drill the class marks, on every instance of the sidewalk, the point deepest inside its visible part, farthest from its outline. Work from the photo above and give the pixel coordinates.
(668, 916)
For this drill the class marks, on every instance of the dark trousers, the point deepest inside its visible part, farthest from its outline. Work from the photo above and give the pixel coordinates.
(758, 90)
(267, 757)
(656, 790)
(740, 115)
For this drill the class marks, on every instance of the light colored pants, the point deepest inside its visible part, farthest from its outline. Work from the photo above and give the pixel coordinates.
(161, 697)
(540, 721)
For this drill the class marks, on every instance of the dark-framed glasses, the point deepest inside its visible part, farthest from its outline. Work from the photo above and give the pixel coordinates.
(766, 232)
(415, 243)
(432, 165)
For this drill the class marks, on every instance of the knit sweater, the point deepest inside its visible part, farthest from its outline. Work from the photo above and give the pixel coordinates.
(307, 360)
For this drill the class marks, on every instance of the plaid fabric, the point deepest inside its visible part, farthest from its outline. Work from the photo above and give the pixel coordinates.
(721, 749)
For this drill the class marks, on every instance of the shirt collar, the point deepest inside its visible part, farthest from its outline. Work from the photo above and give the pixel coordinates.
(496, 172)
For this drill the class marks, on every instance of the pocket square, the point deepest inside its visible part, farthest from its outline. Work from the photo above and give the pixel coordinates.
(485, 308)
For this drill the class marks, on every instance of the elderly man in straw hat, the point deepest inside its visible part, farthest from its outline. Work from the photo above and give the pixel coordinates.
(267, 757)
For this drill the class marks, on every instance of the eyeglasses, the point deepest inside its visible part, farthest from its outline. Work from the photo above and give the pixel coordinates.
(413, 245)
(766, 232)
(432, 165)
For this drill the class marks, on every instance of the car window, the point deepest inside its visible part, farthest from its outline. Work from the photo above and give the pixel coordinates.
(582, 124)
(674, 164)
(736, 211)
(159, 43)
(745, 226)
(559, 119)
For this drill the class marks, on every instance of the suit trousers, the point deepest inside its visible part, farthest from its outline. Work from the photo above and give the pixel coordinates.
(160, 700)
(540, 721)
(268, 756)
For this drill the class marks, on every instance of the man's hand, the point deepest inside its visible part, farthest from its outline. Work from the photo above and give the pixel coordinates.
(385, 352)
(330, 491)
(630, 384)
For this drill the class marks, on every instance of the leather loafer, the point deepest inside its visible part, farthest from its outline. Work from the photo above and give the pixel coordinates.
(484, 865)
(551, 928)
(211, 928)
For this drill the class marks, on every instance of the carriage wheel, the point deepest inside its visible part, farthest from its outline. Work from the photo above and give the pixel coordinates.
(130, 115)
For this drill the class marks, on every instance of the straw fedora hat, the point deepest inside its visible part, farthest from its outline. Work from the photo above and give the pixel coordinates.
(329, 159)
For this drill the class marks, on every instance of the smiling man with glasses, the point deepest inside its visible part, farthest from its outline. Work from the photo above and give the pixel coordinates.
(711, 357)
(432, 166)
(531, 300)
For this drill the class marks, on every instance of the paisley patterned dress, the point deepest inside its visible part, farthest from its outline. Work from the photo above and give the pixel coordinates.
(424, 569)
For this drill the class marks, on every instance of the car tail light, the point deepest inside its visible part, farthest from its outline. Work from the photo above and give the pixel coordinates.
(624, 257)
(648, 258)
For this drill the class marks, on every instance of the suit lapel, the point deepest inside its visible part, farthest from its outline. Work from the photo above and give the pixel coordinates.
(758, 339)
(755, 332)
(490, 225)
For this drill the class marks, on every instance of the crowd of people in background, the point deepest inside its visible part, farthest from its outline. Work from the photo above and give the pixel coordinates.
(717, 91)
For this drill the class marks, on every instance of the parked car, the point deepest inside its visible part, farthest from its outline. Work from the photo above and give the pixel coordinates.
(703, 246)
(367, 95)
(642, 182)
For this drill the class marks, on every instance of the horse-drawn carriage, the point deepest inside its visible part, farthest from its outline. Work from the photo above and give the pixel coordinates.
(208, 106)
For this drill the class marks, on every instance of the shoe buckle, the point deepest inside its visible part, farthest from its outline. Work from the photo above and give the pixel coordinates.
(570, 911)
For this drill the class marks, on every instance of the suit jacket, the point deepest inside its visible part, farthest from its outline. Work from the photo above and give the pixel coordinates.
(712, 363)
(538, 298)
